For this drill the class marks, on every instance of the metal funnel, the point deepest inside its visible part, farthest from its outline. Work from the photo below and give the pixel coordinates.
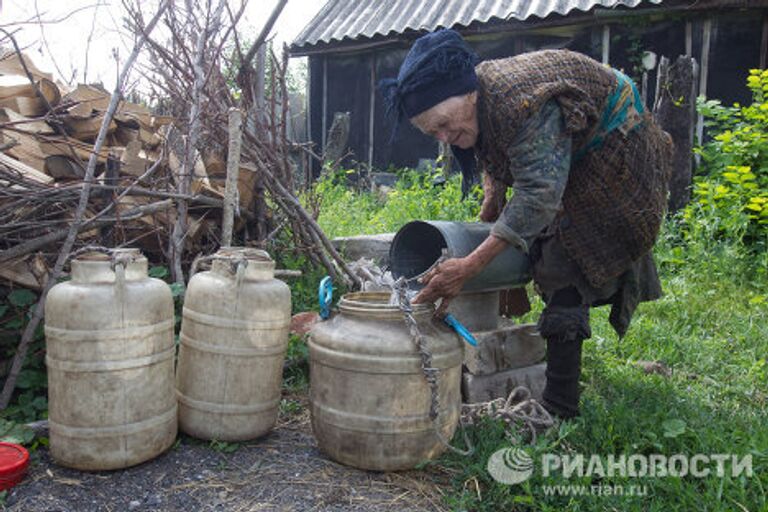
(419, 244)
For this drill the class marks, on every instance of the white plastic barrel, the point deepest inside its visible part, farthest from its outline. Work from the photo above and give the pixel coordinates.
(234, 335)
(110, 358)
(369, 399)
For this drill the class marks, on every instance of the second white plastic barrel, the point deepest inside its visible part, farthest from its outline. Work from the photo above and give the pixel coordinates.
(234, 335)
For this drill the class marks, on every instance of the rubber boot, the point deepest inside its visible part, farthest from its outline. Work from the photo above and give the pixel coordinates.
(561, 393)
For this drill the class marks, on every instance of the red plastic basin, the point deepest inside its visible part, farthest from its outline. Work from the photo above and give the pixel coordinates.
(14, 461)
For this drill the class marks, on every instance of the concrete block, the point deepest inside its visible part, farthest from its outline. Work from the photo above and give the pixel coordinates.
(482, 388)
(375, 247)
(508, 347)
(477, 311)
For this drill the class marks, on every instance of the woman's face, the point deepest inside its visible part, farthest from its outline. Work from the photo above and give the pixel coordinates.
(453, 121)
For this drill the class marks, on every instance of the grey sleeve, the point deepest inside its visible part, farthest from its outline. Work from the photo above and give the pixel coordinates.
(539, 161)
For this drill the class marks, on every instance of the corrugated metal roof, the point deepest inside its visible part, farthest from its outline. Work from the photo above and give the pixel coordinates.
(360, 19)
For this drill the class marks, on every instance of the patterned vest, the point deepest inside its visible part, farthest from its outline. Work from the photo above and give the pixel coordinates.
(616, 195)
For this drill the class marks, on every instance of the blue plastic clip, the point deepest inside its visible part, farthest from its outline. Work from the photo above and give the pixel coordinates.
(457, 326)
(325, 297)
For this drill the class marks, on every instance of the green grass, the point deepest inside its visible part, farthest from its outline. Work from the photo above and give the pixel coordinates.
(710, 328)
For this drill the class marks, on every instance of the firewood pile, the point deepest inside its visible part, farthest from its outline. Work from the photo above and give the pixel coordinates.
(159, 179)
(46, 137)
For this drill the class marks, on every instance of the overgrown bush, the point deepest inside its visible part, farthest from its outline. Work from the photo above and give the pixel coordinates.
(731, 194)
(415, 196)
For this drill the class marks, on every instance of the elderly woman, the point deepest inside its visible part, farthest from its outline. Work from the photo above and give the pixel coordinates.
(588, 168)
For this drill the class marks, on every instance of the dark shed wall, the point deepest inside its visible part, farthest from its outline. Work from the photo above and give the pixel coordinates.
(410, 144)
(348, 82)
(735, 48)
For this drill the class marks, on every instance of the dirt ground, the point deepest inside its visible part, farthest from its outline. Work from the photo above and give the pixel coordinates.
(283, 471)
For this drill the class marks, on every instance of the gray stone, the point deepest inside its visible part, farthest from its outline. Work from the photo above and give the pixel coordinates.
(375, 247)
(508, 347)
(478, 311)
(482, 388)
(385, 179)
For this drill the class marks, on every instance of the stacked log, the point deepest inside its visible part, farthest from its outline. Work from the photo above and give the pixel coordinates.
(46, 137)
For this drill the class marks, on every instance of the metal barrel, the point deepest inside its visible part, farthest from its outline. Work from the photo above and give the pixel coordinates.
(419, 244)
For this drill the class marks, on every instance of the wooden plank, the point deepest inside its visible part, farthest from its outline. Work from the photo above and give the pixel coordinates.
(149, 138)
(90, 97)
(87, 129)
(606, 44)
(27, 171)
(29, 271)
(371, 110)
(49, 90)
(63, 167)
(26, 149)
(176, 143)
(31, 107)
(703, 74)
(764, 44)
(24, 123)
(136, 113)
(33, 150)
(10, 65)
(134, 160)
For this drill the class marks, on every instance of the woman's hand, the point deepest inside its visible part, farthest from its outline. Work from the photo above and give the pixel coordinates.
(445, 281)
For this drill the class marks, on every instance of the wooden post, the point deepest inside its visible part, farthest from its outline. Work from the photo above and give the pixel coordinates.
(111, 178)
(324, 113)
(606, 44)
(764, 43)
(371, 112)
(231, 199)
(308, 163)
(703, 70)
(337, 138)
(261, 64)
(688, 38)
(674, 113)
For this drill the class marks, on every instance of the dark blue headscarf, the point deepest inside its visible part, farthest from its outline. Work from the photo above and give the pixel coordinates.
(438, 66)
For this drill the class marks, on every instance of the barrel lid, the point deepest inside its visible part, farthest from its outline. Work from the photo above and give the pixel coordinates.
(377, 304)
(104, 256)
(14, 459)
(249, 253)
